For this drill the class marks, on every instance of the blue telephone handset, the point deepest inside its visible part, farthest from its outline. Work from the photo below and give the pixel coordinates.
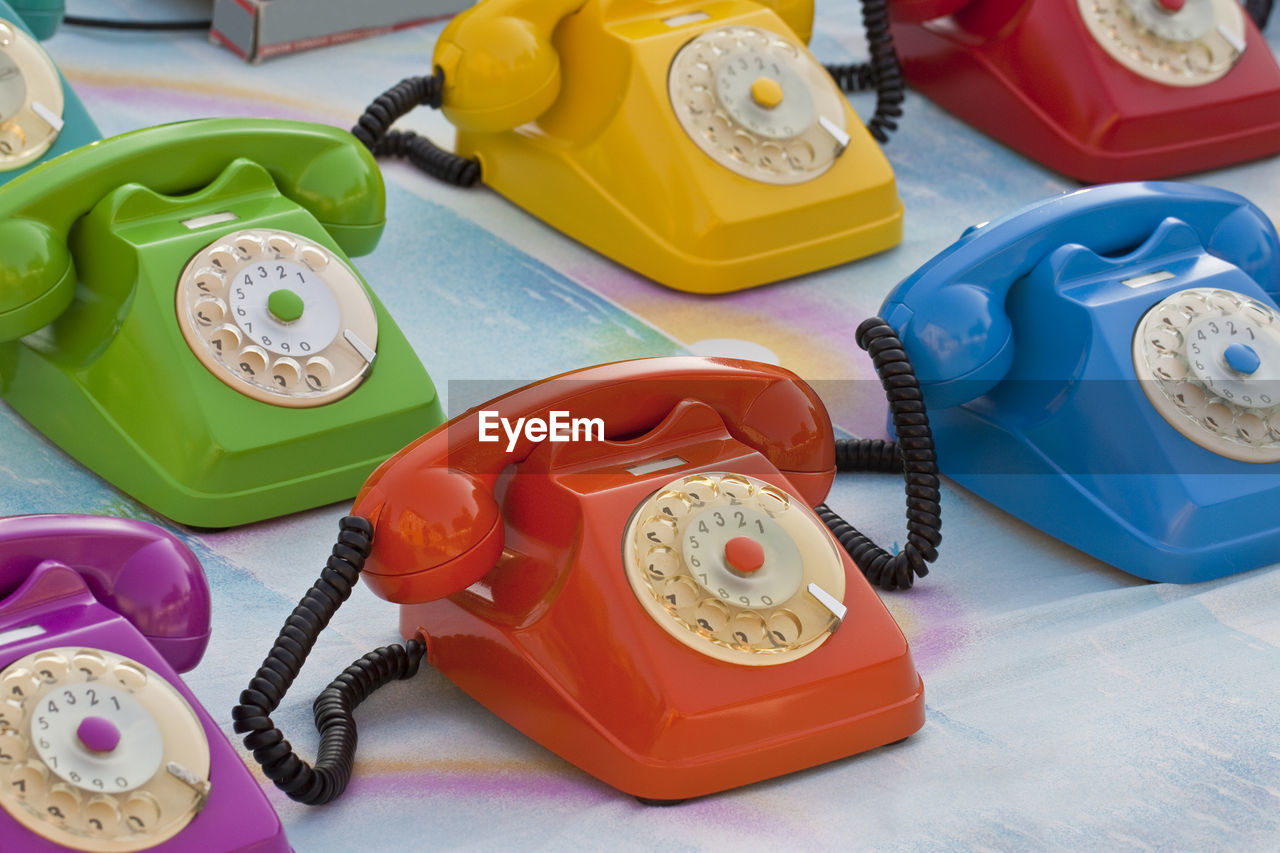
(1105, 365)
(40, 116)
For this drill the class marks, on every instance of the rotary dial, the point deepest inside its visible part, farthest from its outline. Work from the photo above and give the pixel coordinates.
(732, 567)
(1175, 42)
(98, 752)
(1211, 364)
(30, 99)
(759, 104)
(278, 318)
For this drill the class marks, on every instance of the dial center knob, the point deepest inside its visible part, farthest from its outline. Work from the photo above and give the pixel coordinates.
(744, 554)
(1242, 358)
(1170, 6)
(766, 92)
(98, 734)
(285, 305)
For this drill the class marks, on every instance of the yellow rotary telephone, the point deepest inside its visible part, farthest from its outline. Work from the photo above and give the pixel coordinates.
(698, 143)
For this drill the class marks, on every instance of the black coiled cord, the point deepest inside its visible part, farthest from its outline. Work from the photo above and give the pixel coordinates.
(1259, 11)
(912, 454)
(373, 129)
(881, 73)
(334, 708)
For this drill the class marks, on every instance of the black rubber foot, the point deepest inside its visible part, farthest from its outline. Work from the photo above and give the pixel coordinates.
(646, 801)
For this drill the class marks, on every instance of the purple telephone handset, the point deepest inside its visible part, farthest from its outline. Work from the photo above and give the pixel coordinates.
(102, 747)
(134, 568)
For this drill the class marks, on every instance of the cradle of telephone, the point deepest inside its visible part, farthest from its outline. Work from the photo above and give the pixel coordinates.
(1106, 366)
(660, 606)
(102, 747)
(1102, 90)
(177, 312)
(40, 117)
(697, 143)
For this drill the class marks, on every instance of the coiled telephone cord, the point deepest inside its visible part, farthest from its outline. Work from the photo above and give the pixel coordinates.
(373, 129)
(881, 73)
(334, 708)
(1259, 11)
(912, 454)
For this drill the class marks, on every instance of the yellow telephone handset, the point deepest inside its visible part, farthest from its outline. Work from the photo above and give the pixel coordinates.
(698, 143)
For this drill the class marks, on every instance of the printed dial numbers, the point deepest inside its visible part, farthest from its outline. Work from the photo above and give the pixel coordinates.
(277, 317)
(1210, 364)
(758, 104)
(730, 566)
(1190, 43)
(31, 99)
(98, 752)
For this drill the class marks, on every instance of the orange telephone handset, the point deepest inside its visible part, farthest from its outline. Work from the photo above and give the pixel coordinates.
(672, 558)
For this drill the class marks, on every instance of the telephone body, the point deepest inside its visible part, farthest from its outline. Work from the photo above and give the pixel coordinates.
(1105, 365)
(1101, 90)
(698, 144)
(558, 583)
(102, 747)
(179, 315)
(40, 116)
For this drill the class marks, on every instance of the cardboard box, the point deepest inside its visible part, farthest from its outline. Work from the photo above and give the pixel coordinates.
(258, 29)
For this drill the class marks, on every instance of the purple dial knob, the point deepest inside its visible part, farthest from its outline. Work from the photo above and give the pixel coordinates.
(98, 734)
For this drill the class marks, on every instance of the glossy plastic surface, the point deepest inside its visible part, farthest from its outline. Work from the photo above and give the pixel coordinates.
(535, 90)
(40, 19)
(549, 634)
(93, 604)
(1031, 76)
(42, 16)
(1022, 335)
(103, 369)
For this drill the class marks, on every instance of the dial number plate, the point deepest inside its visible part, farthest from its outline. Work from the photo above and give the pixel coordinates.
(1190, 45)
(1209, 361)
(98, 752)
(758, 103)
(725, 563)
(30, 99)
(278, 318)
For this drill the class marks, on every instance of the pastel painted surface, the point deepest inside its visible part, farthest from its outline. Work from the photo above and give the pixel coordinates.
(1069, 705)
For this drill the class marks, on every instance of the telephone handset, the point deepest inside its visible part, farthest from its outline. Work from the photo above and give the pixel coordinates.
(179, 315)
(699, 144)
(680, 554)
(102, 747)
(1101, 90)
(1105, 365)
(40, 116)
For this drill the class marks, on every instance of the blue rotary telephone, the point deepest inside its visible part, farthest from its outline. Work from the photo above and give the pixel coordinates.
(40, 117)
(1105, 365)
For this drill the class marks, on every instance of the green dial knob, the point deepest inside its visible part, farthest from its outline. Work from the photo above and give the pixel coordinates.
(284, 305)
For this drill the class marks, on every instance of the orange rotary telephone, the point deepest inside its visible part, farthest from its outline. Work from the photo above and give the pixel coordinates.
(631, 571)
(1101, 90)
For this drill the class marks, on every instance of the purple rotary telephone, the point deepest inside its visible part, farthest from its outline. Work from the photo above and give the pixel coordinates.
(102, 747)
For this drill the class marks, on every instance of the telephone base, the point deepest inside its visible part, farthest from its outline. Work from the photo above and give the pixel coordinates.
(214, 466)
(1222, 525)
(1082, 114)
(737, 236)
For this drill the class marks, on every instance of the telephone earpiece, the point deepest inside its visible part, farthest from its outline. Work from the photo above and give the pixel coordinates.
(140, 571)
(41, 16)
(951, 313)
(438, 526)
(37, 278)
(499, 66)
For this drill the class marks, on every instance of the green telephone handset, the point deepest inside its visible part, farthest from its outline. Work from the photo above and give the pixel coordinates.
(178, 314)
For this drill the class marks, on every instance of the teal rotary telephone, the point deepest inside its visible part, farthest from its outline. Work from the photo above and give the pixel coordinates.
(40, 117)
(177, 312)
